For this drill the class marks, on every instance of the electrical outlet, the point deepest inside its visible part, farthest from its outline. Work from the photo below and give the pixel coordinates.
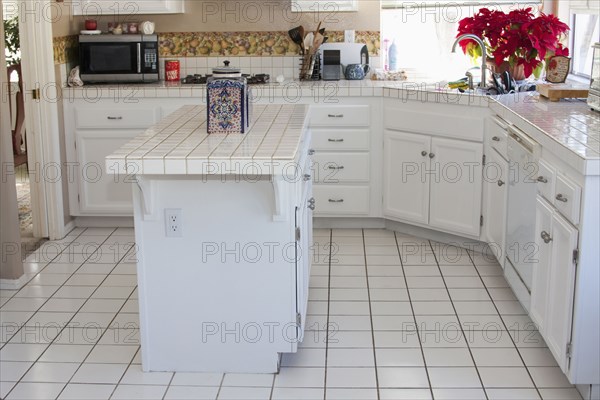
(173, 223)
(349, 36)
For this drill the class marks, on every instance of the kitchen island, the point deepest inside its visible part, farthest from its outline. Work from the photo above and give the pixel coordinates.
(223, 225)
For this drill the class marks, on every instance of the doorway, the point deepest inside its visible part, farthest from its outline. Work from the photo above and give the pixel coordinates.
(35, 123)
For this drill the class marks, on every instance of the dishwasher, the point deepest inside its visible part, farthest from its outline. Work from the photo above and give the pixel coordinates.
(521, 248)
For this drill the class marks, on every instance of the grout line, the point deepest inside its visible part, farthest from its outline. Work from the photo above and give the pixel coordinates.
(371, 314)
(414, 317)
(458, 319)
(328, 311)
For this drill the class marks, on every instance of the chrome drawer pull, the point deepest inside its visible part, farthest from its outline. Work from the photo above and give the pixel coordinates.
(336, 115)
(307, 178)
(336, 201)
(424, 153)
(546, 237)
(496, 139)
(311, 152)
(312, 207)
(115, 118)
(541, 179)
(336, 168)
(432, 156)
(501, 183)
(562, 198)
(336, 140)
(312, 200)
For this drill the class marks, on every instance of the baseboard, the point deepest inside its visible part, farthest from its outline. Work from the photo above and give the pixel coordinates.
(104, 222)
(348, 223)
(13, 284)
(69, 226)
(589, 392)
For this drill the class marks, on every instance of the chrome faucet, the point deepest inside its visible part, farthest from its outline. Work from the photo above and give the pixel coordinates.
(477, 39)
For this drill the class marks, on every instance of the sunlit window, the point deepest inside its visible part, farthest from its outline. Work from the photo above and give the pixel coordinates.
(424, 31)
(585, 32)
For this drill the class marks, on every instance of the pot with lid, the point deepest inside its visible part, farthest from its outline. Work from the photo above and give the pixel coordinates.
(228, 106)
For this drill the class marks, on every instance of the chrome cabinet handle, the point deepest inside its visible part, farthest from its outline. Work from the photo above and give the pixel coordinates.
(312, 200)
(501, 183)
(496, 139)
(336, 167)
(562, 198)
(311, 152)
(432, 155)
(546, 237)
(336, 140)
(114, 118)
(541, 179)
(336, 201)
(312, 207)
(335, 115)
(424, 153)
(307, 177)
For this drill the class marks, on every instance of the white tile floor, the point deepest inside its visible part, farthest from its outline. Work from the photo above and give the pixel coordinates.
(440, 324)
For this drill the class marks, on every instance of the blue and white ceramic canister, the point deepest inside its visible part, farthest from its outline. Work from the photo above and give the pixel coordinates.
(228, 108)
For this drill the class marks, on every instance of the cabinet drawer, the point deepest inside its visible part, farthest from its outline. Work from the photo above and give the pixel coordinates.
(340, 139)
(567, 198)
(546, 181)
(334, 199)
(339, 116)
(102, 118)
(498, 136)
(345, 167)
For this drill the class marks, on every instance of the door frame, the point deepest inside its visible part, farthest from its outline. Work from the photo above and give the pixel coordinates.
(41, 120)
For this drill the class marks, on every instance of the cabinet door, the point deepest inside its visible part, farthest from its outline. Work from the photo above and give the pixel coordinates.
(406, 183)
(561, 289)
(496, 197)
(101, 193)
(456, 186)
(542, 263)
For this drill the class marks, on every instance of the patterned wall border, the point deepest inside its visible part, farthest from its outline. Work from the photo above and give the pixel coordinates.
(213, 44)
(198, 44)
(65, 49)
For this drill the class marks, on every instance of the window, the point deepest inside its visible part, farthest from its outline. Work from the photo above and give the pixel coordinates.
(424, 32)
(584, 33)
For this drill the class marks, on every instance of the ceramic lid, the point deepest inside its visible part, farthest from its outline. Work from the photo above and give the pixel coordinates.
(227, 71)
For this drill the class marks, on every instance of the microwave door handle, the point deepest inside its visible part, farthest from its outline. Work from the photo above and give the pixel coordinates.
(139, 58)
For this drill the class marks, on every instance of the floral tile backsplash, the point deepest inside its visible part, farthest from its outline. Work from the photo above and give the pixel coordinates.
(65, 49)
(198, 44)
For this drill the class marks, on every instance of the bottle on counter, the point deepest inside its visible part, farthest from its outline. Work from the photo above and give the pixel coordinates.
(393, 56)
(386, 55)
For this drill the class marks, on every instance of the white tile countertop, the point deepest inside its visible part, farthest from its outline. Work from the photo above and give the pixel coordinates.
(180, 145)
(567, 128)
(568, 124)
(309, 91)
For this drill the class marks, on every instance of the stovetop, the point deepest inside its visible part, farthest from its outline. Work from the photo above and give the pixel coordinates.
(198, 79)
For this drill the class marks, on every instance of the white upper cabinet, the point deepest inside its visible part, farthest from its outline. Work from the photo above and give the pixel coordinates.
(330, 6)
(123, 9)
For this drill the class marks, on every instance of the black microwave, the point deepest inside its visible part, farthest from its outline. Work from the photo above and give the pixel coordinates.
(118, 58)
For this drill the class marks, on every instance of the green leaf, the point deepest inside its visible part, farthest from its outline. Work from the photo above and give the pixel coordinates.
(11, 41)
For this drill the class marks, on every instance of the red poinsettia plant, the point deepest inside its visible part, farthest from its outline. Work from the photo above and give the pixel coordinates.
(518, 37)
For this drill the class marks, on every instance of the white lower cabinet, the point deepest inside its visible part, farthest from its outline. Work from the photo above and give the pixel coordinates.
(92, 132)
(426, 177)
(101, 193)
(405, 185)
(495, 179)
(553, 288)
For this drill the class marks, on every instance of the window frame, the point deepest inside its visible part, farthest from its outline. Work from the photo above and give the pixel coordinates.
(324, 5)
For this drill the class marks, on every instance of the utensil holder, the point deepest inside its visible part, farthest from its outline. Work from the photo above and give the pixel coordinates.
(307, 65)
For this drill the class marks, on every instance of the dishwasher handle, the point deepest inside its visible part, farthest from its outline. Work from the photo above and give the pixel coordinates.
(523, 140)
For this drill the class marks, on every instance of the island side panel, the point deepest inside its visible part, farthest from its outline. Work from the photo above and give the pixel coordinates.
(222, 298)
